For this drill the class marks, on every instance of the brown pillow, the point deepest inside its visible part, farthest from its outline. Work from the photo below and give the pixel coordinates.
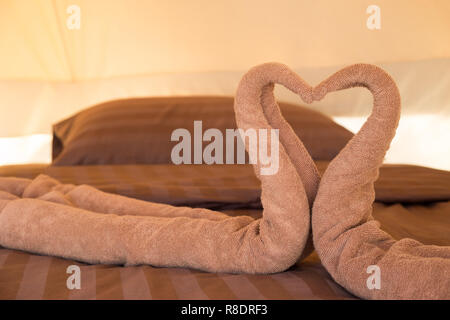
(138, 131)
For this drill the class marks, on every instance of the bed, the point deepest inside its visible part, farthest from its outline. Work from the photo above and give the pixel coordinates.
(94, 148)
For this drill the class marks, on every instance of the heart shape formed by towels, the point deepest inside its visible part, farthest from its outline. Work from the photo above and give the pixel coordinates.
(349, 242)
(256, 108)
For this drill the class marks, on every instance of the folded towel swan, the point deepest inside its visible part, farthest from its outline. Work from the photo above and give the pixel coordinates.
(85, 224)
(348, 240)
(82, 223)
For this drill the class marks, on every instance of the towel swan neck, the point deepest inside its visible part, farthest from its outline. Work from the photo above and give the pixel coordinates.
(255, 106)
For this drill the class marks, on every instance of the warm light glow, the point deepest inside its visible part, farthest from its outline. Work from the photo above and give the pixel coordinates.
(420, 139)
(28, 149)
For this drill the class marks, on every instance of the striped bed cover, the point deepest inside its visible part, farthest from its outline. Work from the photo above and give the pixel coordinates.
(28, 276)
(232, 189)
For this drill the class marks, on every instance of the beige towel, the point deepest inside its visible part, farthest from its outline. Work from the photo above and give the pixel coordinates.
(85, 224)
(362, 258)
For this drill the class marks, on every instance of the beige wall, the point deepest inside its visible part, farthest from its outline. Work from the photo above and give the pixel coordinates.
(132, 37)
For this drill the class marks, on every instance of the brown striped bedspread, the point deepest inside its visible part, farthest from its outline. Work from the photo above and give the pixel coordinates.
(411, 202)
